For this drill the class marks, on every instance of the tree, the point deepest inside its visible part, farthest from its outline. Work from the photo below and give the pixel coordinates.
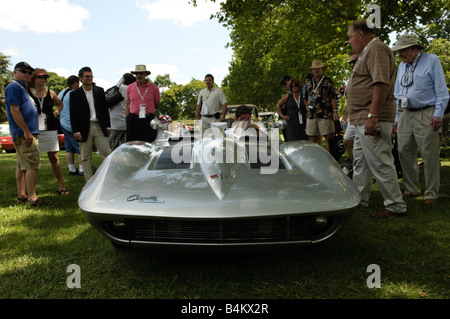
(56, 83)
(272, 38)
(6, 77)
(189, 96)
(169, 103)
(441, 47)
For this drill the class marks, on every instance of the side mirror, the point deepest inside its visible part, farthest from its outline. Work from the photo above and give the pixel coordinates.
(155, 124)
(281, 124)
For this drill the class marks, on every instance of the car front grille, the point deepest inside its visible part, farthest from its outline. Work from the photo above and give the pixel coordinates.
(280, 229)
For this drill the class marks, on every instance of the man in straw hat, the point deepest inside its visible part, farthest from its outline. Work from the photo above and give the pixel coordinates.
(321, 102)
(371, 108)
(142, 101)
(422, 98)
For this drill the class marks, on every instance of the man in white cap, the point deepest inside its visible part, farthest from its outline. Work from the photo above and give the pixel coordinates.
(142, 101)
(321, 102)
(422, 98)
(23, 122)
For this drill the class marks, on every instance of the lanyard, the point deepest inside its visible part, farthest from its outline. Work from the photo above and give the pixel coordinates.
(31, 99)
(40, 100)
(408, 78)
(318, 85)
(139, 92)
(298, 102)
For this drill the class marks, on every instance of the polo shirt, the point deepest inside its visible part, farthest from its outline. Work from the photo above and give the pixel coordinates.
(16, 94)
(150, 97)
(376, 65)
(215, 99)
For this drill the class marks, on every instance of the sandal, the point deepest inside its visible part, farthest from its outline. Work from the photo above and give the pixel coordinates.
(40, 203)
(21, 200)
(63, 192)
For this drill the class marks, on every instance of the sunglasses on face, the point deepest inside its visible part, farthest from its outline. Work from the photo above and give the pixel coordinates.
(141, 73)
(43, 77)
(25, 72)
(88, 76)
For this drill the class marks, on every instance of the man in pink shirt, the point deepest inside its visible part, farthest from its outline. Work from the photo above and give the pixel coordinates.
(142, 101)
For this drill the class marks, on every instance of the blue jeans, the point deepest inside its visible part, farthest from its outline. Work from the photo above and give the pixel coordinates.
(70, 144)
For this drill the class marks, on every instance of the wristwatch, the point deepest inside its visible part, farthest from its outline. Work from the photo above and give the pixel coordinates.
(372, 115)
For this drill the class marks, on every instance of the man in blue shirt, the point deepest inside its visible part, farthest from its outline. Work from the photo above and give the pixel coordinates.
(24, 126)
(422, 98)
(70, 144)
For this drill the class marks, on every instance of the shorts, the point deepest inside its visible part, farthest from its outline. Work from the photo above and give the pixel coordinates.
(350, 132)
(48, 141)
(27, 156)
(70, 144)
(319, 127)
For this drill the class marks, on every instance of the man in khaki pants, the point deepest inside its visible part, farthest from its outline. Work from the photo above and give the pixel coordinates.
(422, 98)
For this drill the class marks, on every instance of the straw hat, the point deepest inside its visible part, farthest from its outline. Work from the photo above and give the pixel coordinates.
(140, 68)
(406, 41)
(317, 64)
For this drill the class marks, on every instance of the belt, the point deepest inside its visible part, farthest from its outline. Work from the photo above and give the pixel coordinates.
(217, 115)
(419, 108)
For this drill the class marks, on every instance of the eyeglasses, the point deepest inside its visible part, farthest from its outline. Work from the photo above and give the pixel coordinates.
(25, 71)
(141, 73)
(43, 77)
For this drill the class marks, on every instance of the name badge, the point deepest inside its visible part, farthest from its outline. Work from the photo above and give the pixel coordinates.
(403, 101)
(42, 122)
(142, 111)
(312, 101)
(205, 109)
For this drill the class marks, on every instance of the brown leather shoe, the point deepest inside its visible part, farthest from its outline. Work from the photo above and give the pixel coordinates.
(386, 214)
(430, 201)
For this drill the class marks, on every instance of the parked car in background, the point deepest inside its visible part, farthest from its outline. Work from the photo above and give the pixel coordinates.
(7, 143)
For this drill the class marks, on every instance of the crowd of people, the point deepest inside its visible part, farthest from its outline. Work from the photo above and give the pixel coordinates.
(36, 114)
(410, 101)
(379, 97)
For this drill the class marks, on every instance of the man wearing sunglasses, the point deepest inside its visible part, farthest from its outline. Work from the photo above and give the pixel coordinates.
(142, 101)
(89, 117)
(23, 122)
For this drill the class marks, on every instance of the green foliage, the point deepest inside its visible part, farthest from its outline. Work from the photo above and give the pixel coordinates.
(6, 77)
(441, 47)
(272, 38)
(189, 96)
(56, 83)
(177, 100)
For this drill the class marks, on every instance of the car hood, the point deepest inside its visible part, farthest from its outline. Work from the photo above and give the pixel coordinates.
(142, 179)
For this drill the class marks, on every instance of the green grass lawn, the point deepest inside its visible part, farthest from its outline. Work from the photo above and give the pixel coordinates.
(38, 244)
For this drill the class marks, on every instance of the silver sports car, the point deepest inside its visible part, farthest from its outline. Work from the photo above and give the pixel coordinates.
(190, 188)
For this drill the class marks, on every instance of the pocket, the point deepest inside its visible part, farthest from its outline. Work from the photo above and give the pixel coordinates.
(423, 82)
